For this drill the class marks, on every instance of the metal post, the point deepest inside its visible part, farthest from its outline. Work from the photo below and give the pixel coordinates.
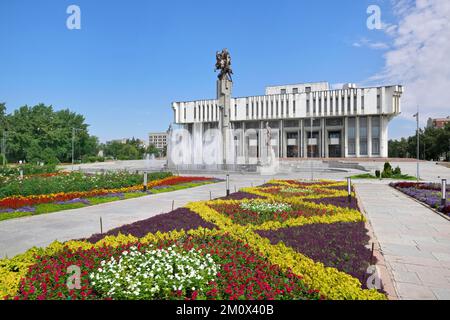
(101, 226)
(310, 144)
(228, 185)
(349, 189)
(173, 204)
(418, 144)
(145, 181)
(444, 192)
(73, 146)
(4, 147)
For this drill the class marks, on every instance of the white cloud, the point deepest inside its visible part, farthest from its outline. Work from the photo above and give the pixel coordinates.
(419, 57)
(364, 42)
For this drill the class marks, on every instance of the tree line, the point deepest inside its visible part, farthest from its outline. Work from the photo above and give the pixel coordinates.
(41, 134)
(434, 145)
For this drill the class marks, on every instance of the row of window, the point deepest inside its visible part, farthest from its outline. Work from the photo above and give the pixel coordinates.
(261, 109)
(363, 135)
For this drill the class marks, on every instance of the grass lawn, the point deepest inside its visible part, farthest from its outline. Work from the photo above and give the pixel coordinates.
(53, 207)
(394, 177)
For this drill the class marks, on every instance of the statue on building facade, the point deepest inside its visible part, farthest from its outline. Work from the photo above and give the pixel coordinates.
(223, 63)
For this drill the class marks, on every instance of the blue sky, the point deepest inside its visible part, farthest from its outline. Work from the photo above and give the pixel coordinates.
(131, 59)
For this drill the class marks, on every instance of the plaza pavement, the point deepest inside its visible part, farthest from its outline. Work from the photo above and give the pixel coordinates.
(414, 240)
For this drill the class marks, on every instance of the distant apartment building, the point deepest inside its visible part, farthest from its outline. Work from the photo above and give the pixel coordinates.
(438, 123)
(158, 139)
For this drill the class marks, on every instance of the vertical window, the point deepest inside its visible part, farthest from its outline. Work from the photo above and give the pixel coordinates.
(331, 105)
(351, 136)
(314, 105)
(246, 110)
(295, 90)
(282, 107)
(375, 135)
(184, 113)
(378, 102)
(355, 103)
(235, 110)
(348, 103)
(307, 106)
(271, 108)
(363, 136)
(293, 105)
(362, 103)
(195, 113)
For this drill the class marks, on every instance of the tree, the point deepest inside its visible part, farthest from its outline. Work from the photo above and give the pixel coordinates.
(153, 150)
(434, 144)
(44, 135)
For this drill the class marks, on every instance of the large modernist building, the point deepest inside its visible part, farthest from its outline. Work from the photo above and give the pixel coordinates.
(311, 120)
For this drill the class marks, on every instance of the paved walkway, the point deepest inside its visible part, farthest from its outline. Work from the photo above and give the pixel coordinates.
(415, 242)
(18, 235)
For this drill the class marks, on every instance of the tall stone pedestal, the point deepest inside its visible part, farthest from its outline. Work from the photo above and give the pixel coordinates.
(224, 87)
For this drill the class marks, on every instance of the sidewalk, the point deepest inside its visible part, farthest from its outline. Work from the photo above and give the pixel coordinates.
(18, 235)
(414, 240)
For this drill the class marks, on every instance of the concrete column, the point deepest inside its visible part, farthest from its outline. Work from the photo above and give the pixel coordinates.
(383, 136)
(369, 136)
(323, 140)
(302, 139)
(357, 151)
(346, 137)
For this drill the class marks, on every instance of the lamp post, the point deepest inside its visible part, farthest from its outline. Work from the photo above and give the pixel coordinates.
(444, 192)
(4, 148)
(73, 144)
(418, 145)
(228, 185)
(310, 145)
(3, 145)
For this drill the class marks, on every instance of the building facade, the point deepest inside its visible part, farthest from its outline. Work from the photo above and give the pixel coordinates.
(306, 120)
(158, 139)
(438, 123)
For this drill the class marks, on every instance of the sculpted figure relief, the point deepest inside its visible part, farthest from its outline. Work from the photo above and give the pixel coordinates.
(223, 63)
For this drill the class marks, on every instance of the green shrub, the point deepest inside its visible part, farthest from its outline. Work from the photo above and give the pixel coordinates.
(92, 159)
(377, 173)
(397, 171)
(387, 171)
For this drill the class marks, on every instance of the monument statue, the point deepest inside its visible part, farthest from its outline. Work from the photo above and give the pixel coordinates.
(223, 63)
(224, 88)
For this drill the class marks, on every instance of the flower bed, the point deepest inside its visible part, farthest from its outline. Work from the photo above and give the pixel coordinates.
(179, 219)
(30, 204)
(338, 245)
(231, 270)
(257, 252)
(428, 193)
(258, 211)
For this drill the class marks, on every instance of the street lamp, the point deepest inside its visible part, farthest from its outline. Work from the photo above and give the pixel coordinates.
(418, 145)
(310, 146)
(73, 143)
(4, 142)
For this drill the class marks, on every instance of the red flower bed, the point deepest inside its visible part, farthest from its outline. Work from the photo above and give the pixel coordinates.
(16, 202)
(243, 274)
(286, 194)
(244, 216)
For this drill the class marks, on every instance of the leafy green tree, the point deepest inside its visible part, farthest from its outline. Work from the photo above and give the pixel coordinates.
(40, 134)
